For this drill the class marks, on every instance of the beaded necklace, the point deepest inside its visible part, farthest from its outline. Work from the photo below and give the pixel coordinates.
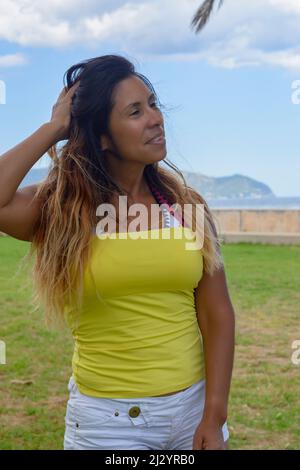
(165, 208)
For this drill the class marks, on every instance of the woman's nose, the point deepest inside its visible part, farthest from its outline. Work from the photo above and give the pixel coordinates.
(156, 117)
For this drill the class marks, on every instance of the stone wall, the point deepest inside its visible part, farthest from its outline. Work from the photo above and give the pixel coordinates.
(267, 221)
(264, 225)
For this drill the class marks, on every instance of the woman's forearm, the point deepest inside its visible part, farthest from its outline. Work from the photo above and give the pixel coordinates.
(218, 345)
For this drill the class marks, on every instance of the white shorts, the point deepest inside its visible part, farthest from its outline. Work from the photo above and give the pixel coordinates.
(147, 423)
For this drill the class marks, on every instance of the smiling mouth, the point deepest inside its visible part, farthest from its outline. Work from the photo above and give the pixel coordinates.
(158, 141)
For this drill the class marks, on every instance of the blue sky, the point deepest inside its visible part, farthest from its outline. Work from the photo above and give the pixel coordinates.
(229, 88)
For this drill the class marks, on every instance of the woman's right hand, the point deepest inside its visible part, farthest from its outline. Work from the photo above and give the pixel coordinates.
(61, 111)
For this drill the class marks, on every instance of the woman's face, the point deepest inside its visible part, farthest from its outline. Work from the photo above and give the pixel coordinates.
(133, 125)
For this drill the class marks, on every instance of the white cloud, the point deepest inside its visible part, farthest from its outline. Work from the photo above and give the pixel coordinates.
(241, 33)
(10, 60)
(288, 6)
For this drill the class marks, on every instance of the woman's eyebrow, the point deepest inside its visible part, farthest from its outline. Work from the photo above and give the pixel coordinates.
(137, 102)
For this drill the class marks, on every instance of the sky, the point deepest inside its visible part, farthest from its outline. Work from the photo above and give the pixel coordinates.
(232, 92)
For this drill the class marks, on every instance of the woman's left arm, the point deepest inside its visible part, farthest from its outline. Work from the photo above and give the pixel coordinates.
(216, 320)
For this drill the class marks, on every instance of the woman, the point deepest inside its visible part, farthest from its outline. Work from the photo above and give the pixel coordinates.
(138, 308)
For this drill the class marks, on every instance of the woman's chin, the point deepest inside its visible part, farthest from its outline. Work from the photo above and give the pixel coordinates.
(157, 158)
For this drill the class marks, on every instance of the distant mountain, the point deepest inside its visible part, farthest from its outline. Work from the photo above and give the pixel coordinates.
(228, 187)
(223, 188)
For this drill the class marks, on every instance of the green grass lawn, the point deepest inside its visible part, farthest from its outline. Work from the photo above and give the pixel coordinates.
(264, 408)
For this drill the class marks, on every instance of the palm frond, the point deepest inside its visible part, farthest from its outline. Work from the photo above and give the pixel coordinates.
(203, 13)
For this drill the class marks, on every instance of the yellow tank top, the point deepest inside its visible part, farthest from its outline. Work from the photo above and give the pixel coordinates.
(138, 333)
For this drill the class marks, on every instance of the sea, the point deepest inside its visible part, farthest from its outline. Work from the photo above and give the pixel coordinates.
(271, 203)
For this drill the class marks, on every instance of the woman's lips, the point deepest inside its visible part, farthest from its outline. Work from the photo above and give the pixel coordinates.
(158, 141)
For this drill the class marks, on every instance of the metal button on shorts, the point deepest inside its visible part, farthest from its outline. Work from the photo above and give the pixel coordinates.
(134, 411)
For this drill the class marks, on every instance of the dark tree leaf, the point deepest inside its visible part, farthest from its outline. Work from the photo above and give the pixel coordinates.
(203, 13)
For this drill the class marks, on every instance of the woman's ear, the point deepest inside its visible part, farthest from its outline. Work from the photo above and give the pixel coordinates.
(105, 143)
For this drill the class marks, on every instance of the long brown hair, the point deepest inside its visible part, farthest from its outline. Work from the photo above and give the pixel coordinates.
(78, 182)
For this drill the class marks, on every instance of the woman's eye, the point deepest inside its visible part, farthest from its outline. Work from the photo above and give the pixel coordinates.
(137, 111)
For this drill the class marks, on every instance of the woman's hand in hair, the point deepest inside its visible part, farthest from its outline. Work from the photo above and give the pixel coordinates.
(61, 111)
